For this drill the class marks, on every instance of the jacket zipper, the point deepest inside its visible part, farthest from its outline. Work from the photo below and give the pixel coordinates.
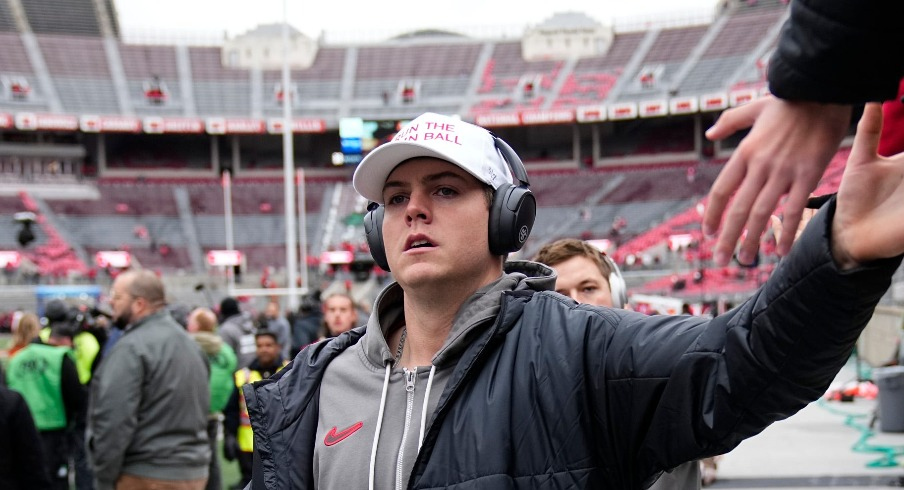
(453, 390)
(410, 378)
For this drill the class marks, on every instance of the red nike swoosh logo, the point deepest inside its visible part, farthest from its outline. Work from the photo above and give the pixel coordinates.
(334, 437)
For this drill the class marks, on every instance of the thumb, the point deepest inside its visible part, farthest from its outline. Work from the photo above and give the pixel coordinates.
(869, 130)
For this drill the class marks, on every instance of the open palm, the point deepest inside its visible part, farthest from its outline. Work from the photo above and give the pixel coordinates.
(869, 220)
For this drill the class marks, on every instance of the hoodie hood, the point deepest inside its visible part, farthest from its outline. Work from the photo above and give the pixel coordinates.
(209, 342)
(244, 321)
(474, 315)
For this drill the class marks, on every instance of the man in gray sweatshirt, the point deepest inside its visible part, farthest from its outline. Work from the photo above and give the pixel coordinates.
(147, 416)
(473, 373)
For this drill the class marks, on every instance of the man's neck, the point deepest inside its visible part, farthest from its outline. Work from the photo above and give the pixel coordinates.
(428, 321)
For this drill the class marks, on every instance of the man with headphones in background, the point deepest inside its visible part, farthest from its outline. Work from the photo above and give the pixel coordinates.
(587, 275)
(473, 373)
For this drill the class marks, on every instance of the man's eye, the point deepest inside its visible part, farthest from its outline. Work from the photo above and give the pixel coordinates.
(398, 199)
(445, 191)
(589, 290)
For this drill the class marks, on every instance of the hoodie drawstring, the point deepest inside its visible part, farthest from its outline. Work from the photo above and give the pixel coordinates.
(420, 440)
(373, 451)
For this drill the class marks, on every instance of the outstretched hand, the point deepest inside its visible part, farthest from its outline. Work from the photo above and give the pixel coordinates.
(869, 218)
(786, 152)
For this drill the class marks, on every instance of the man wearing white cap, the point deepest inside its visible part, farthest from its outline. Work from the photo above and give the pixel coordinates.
(473, 373)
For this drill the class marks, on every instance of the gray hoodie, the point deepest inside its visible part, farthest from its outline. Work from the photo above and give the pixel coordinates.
(238, 332)
(365, 396)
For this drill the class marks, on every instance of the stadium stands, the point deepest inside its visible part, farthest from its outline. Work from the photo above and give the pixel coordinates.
(7, 23)
(507, 69)
(668, 52)
(385, 81)
(219, 90)
(80, 72)
(144, 219)
(152, 67)
(730, 48)
(322, 81)
(593, 78)
(13, 58)
(55, 259)
(62, 17)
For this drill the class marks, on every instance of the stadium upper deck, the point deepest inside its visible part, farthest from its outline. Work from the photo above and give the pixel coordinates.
(78, 75)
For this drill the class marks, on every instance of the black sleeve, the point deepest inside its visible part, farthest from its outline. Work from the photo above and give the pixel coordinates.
(231, 414)
(28, 456)
(761, 362)
(74, 393)
(839, 51)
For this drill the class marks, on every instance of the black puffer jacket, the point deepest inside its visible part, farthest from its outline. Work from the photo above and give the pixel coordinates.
(840, 51)
(558, 395)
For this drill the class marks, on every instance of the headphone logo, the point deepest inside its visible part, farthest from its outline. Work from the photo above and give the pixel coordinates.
(523, 233)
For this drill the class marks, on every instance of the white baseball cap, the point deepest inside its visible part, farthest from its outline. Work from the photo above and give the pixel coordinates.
(433, 135)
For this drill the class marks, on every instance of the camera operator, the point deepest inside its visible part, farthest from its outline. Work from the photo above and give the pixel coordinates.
(88, 336)
(87, 339)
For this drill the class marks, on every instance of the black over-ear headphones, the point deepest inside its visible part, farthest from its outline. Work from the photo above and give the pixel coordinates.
(512, 213)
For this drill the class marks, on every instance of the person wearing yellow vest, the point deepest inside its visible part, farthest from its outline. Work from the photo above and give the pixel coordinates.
(85, 345)
(238, 438)
(46, 377)
(86, 355)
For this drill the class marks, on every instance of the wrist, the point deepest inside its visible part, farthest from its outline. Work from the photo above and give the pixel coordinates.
(843, 259)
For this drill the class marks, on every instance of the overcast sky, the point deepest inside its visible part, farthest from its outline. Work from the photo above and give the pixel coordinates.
(349, 16)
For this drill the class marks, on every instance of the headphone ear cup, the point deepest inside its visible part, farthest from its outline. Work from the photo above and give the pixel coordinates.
(512, 217)
(617, 286)
(373, 230)
(618, 289)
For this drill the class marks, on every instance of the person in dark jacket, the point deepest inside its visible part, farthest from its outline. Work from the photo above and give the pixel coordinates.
(587, 275)
(474, 373)
(22, 464)
(830, 54)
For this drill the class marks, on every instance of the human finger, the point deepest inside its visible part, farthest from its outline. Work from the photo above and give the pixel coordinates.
(736, 218)
(757, 218)
(720, 193)
(791, 217)
(736, 119)
(869, 130)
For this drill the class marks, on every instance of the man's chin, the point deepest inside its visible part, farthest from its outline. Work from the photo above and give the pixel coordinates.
(420, 276)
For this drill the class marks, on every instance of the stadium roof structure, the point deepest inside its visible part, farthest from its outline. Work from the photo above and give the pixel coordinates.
(270, 31)
(568, 20)
(430, 34)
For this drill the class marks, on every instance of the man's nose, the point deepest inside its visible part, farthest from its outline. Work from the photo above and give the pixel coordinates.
(418, 207)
